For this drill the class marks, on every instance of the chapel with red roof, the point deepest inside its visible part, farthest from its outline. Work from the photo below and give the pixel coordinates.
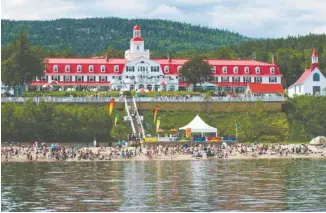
(137, 70)
(311, 82)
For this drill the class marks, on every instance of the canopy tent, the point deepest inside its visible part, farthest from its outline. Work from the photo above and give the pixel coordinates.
(318, 140)
(198, 125)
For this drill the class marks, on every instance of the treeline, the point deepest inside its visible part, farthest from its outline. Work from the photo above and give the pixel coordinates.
(87, 36)
(304, 118)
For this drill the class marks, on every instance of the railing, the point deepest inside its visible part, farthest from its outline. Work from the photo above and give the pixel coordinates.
(138, 117)
(143, 99)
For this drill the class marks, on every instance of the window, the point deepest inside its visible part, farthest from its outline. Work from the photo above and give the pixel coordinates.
(316, 77)
(272, 70)
(155, 68)
(130, 69)
(213, 69)
(257, 69)
(67, 78)
(137, 47)
(246, 69)
(224, 69)
(236, 79)
(44, 78)
(258, 79)
(225, 79)
(247, 79)
(91, 68)
(91, 78)
(79, 78)
(67, 68)
(272, 79)
(103, 78)
(235, 69)
(79, 68)
(55, 68)
(116, 68)
(56, 78)
(102, 68)
(179, 68)
(166, 69)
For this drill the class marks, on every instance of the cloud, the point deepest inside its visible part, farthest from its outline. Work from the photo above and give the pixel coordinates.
(253, 18)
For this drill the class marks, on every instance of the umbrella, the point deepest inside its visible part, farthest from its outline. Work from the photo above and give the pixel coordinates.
(172, 130)
(163, 83)
(53, 82)
(160, 130)
(141, 90)
(318, 140)
(47, 86)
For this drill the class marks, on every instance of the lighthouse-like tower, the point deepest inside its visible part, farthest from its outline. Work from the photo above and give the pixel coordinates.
(136, 49)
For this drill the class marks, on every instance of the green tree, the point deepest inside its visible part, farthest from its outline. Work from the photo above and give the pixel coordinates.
(196, 71)
(21, 62)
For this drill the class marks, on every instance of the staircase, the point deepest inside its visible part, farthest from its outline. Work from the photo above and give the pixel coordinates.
(134, 117)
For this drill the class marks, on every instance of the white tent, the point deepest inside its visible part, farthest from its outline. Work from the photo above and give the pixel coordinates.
(198, 125)
(318, 140)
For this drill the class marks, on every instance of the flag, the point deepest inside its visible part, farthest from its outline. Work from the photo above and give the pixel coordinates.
(158, 122)
(111, 105)
(155, 113)
(116, 118)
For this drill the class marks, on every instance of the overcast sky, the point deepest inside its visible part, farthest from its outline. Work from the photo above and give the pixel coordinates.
(254, 18)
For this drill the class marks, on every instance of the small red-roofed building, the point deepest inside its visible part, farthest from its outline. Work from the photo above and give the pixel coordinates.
(311, 82)
(137, 70)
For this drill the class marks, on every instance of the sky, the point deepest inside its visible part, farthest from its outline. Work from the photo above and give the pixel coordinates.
(254, 18)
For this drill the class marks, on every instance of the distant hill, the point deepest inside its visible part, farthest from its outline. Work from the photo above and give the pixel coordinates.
(91, 35)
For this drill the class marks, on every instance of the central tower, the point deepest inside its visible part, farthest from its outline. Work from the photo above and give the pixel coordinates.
(136, 49)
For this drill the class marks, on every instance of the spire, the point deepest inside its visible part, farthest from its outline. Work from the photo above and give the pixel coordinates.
(314, 59)
(136, 31)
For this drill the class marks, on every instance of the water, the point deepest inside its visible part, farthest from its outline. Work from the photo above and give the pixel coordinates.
(240, 185)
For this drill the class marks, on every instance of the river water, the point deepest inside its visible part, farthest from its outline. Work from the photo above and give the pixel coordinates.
(245, 185)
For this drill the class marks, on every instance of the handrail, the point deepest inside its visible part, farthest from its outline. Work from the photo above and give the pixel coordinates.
(130, 118)
(138, 117)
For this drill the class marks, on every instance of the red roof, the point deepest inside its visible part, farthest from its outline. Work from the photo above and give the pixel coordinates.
(136, 27)
(265, 88)
(137, 39)
(230, 84)
(184, 84)
(314, 53)
(106, 83)
(303, 77)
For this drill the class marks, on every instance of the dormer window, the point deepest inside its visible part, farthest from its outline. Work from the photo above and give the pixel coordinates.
(257, 69)
(179, 68)
(116, 68)
(224, 69)
(79, 68)
(102, 68)
(91, 68)
(213, 69)
(166, 69)
(246, 69)
(235, 69)
(272, 70)
(55, 68)
(67, 68)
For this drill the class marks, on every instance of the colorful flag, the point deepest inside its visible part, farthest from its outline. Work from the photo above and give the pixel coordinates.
(111, 105)
(155, 113)
(158, 122)
(116, 118)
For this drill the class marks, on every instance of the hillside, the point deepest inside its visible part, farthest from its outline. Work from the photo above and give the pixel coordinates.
(91, 35)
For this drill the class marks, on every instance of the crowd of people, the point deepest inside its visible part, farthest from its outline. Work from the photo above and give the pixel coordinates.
(53, 152)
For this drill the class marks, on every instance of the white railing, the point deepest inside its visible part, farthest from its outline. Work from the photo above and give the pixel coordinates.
(130, 118)
(143, 99)
(138, 117)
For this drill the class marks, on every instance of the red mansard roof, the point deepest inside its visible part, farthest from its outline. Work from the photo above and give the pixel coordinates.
(136, 27)
(265, 88)
(137, 39)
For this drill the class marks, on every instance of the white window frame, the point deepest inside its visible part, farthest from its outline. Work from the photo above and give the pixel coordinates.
(272, 70)
(257, 70)
(224, 69)
(90, 68)
(68, 77)
(246, 70)
(81, 77)
(166, 69)
(81, 68)
(103, 78)
(179, 68)
(67, 68)
(235, 70)
(102, 68)
(56, 78)
(116, 68)
(91, 76)
(55, 68)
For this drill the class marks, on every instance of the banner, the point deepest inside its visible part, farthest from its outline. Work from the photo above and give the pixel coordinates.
(158, 122)
(150, 140)
(213, 139)
(116, 118)
(155, 113)
(188, 132)
(111, 105)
